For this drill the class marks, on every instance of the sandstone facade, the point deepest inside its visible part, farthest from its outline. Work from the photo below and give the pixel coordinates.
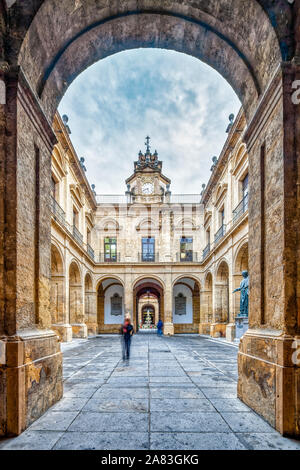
(86, 277)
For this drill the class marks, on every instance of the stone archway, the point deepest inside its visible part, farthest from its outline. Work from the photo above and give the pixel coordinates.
(58, 296)
(186, 305)
(110, 305)
(145, 308)
(151, 290)
(228, 37)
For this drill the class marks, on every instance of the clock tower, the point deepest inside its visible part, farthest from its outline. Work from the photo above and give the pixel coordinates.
(147, 184)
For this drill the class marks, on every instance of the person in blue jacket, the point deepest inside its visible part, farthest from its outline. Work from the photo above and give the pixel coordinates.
(126, 333)
(160, 328)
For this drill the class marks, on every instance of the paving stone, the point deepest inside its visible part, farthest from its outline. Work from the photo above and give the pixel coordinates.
(187, 422)
(32, 440)
(124, 422)
(70, 404)
(169, 392)
(80, 392)
(122, 381)
(193, 404)
(218, 392)
(167, 373)
(180, 404)
(54, 421)
(228, 404)
(183, 379)
(103, 441)
(246, 422)
(269, 441)
(124, 393)
(121, 405)
(194, 441)
(218, 382)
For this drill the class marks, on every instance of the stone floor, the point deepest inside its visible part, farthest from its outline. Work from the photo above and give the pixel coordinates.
(175, 393)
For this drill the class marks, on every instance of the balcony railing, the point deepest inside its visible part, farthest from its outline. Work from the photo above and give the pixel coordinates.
(187, 257)
(103, 258)
(206, 251)
(148, 257)
(185, 198)
(220, 233)
(241, 208)
(122, 199)
(111, 199)
(77, 235)
(90, 251)
(57, 212)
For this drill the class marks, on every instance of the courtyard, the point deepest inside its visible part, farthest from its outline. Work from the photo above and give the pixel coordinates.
(176, 393)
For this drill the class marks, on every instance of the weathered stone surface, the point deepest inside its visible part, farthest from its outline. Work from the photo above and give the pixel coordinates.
(217, 423)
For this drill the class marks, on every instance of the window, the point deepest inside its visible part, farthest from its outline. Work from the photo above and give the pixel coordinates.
(88, 236)
(180, 304)
(116, 305)
(75, 218)
(53, 188)
(186, 249)
(245, 189)
(110, 249)
(222, 217)
(245, 185)
(208, 236)
(148, 249)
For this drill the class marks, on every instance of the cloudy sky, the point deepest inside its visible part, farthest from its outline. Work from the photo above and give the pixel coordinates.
(180, 102)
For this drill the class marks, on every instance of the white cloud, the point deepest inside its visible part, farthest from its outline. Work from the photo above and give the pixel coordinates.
(180, 102)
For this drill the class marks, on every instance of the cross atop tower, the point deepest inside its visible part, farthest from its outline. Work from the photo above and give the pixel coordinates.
(147, 143)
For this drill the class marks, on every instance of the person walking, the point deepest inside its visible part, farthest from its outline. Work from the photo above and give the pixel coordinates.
(159, 327)
(126, 332)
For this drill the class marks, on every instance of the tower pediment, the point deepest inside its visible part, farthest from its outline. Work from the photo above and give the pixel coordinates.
(147, 183)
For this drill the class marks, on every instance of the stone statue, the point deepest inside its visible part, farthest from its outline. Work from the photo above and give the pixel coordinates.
(244, 290)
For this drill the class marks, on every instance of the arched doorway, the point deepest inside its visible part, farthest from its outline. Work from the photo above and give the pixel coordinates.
(206, 308)
(186, 305)
(148, 317)
(110, 305)
(58, 296)
(147, 291)
(221, 314)
(230, 40)
(76, 306)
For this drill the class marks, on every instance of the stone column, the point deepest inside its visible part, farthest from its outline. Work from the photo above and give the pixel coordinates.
(218, 327)
(100, 309)
(30, 357)
(58, 309)
(77, 311)
(91, 312)
(205, 312)
(269, 372)
(128, 297)
(168, 305)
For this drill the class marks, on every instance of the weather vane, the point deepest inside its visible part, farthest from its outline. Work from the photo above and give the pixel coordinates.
(147, 143)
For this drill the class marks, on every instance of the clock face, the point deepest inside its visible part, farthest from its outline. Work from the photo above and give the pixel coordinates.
(148, 188)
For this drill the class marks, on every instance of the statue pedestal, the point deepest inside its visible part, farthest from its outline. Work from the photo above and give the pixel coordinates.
(230, 332)
(241, 326)
(218, 330)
